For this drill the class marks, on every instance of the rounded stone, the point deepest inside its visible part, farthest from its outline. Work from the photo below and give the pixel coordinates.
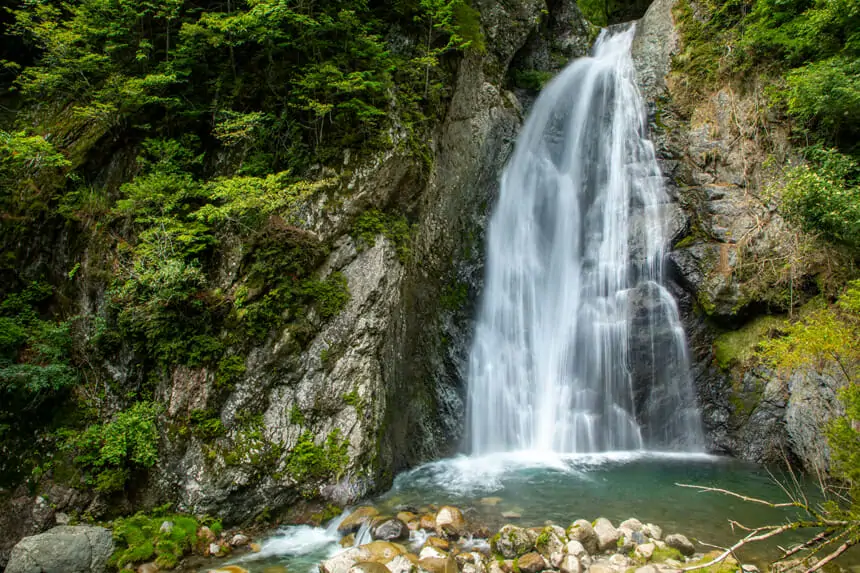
(681, 543)
(356, 519)
(391, 529)
(582, 531)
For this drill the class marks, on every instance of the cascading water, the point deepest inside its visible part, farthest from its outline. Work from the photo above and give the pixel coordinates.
(578, 346)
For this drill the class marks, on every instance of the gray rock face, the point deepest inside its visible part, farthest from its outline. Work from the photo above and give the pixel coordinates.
(714, 161)
(63, 549)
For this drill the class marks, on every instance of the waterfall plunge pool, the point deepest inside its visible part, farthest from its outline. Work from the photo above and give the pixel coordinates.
(561, 488)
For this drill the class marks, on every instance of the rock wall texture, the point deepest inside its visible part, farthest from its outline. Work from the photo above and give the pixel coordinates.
(734, 260)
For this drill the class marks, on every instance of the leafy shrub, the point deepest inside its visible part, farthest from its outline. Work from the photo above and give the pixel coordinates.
(309, 461)
(823, 196)
(109, 452)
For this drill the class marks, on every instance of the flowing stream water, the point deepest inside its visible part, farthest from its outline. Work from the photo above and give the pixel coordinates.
(578, 347)
(580, 399)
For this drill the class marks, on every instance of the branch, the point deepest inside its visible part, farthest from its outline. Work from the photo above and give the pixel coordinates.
(839, 551)
(743, 497)
(756, 535)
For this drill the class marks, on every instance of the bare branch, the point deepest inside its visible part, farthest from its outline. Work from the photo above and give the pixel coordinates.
(839, 551)
(743, 497)
(756, 535)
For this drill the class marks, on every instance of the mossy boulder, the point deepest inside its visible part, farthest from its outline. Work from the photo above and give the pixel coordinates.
(353, 522)
(582, 531)
(512, 541)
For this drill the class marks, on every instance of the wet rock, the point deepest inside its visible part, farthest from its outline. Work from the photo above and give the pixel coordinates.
(406, 516)
(402, 564)
(450, 521)
(645, 551)
(570, 564)
(652, 531)
(551, 540)
(438, 565)
(150, 567)
(512, 541)
(681, 543)
(239, 540)
(632, 524)
(390, 530)
(531, 563)
(368, 567)
(214, 550)
(63, 549)
(343, 561)
(490, 500)
(438, 543)
(230, 569)
(255, 547)
(430, 552)
(347, 541)
(511, 515)
(353, 522)
(607, 535)
(583, 532)
(428, 522)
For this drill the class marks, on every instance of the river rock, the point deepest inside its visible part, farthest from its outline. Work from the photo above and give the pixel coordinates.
(551, 540)
(531, 563)
(378, 552)
(570, 564)
(437, 542)
(681, 543)
(632, 524)
(450, 522)
(166, 527)
(430, 552)
(368, 567)
(607, 535)
(490, 500)
(353, 522)
(150, 567)
(438, 565)
(620, 561)
(427, 522)
(63, 549)
(511, 514)
(646, 569)
(402, 564)
(391, 529)
(512, 541)
(602, 567)
(239, 540)
(645, 551)
(582, 531)
(652, 531)
(406, 516)
(205, 535)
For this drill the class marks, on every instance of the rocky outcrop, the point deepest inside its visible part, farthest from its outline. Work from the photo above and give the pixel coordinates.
(63, 549)
(734, 259)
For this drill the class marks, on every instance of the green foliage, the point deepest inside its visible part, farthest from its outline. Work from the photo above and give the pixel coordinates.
(810, 48)
(309, 461)
(823, 196)
(296, 416)
(454, 296)
(531, 79)
(206, 424)
(139, 538)
(30, 170)
(843, 436)
(663, 553)
(330, 295)
(373, 223)
(109, 452)
(737, 346)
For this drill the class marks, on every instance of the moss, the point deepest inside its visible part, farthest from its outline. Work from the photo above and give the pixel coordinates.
(687, 241)
(329, 295)
(353, 399)
(663, 553)
(328, 513)
(296, 415)
(454, 296)
(206, 425)
(395, 228)
(310, 461)
(139, 538)
(738, 346)
(728, 565)
(531, 79)
(543, 538)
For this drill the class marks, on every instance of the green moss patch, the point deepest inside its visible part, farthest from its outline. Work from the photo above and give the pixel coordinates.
(738, 346)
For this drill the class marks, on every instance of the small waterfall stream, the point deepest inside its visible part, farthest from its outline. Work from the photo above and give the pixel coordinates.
(578, 346)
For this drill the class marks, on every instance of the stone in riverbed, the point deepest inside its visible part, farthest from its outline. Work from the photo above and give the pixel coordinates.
(570, 564)
(427, 522)
(406, 516)
(450, 522)
(490, 500)
(356, 519)
(652, 531)
(430, 552)
(646, 569)
(391, 529)
(402, 564)
(601, 567)
(607, 535)
(512, 541)
(681, 543)
(150, 567)
(583, 532)
(550, 540)
(620, 561)
(438, 565)
(437, 542)
(645, 551)
(531, 563)
(368, 567)
(238, 540)
(632, 524)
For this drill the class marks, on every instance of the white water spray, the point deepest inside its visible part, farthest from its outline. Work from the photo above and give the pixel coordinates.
(578, 346)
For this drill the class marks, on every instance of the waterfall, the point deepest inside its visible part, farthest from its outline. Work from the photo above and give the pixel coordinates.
(578, 346)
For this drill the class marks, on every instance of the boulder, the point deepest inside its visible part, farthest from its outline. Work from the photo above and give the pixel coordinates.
(652, 531)
(632, 524)
(205, 535)
(239, 540)
(646, 569)
(438, 565)
(570, 564)
(645, 551)
(391, 529)
(430, 552)
(583, 532)
(402, 564)
(551, 540)
(382, 552)
(450, 522)
(512, 541)
(427, 522)
(607, 535)
(368, 567)
(438, 543)
(511, 514)
(531, 562)
(620, 561)
(150, 567)
(602, 567)
(63, 549)
(681, 543)
(356, 519)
